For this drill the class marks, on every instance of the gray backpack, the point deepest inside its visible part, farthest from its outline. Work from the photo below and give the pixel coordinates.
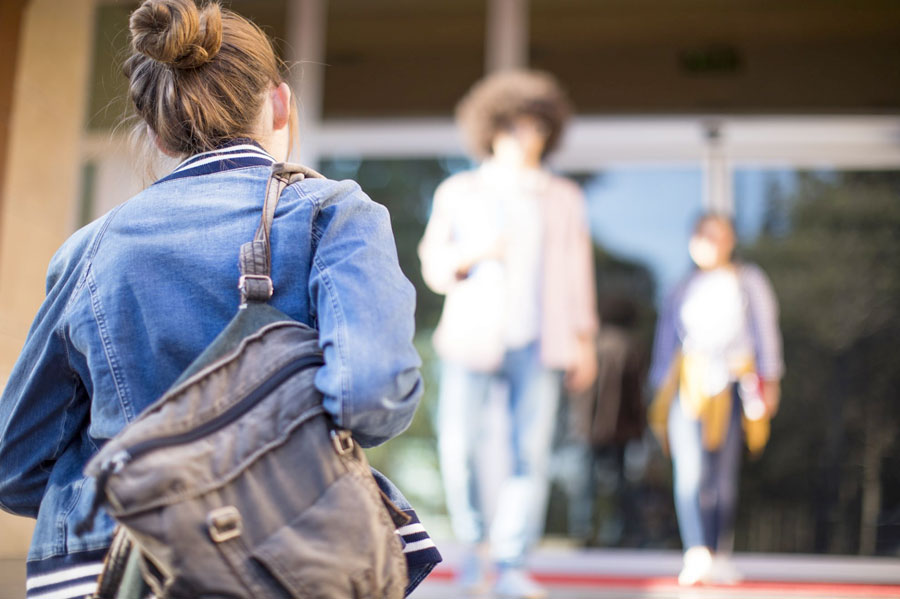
(236, 483)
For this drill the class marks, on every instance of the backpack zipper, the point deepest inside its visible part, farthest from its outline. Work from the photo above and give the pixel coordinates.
(115, 463)
(120, 459)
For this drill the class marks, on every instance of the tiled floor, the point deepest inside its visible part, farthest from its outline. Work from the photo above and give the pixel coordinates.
(628, 574)
(441, 590)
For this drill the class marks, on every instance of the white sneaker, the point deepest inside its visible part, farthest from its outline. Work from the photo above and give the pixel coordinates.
(723, 571)
(514, 583)
(697, 565)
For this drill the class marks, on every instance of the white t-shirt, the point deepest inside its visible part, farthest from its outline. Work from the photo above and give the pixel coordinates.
(513, 206)
(716, 325)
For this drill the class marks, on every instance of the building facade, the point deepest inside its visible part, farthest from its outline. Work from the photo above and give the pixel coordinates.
(680, 107)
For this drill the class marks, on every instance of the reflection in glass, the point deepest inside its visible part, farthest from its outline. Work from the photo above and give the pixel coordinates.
(645, 214)
(830, 241)
(829, 480)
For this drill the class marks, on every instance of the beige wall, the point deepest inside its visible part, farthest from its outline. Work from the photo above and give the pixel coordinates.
(41, 186)
(10, 20)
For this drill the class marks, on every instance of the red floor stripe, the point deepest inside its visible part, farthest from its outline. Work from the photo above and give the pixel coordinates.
(775, 587)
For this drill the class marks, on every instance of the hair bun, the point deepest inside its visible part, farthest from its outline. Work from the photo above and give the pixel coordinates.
(176, 32)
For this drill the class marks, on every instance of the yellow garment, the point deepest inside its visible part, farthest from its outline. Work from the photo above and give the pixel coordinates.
(686, 376)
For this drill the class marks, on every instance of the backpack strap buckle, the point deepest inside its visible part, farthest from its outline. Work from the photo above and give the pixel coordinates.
(224, 524)
(258, 288)
(342, 441)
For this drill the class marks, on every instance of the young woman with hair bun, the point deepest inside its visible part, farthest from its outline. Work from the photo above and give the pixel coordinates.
(135, 296)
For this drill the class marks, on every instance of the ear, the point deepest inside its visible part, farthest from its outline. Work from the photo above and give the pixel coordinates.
(159, 145)
(281, 106)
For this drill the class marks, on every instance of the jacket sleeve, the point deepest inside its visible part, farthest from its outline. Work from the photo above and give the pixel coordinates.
(439, 253)
(365, 310)
(582, 276)
(665, 342)
(763, 308)
(44, 405)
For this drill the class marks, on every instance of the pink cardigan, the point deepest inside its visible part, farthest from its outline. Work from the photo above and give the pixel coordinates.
(568, 302)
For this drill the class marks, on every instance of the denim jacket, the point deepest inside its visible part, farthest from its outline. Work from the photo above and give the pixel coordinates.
(134, 297)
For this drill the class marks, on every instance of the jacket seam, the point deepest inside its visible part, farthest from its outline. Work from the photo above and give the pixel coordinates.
(92, 251)
(339, 337)
(322, 269)
(57, 554)
(111, 359)
(96, 245)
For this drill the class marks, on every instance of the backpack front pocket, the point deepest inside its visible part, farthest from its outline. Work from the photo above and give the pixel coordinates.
(305, 554)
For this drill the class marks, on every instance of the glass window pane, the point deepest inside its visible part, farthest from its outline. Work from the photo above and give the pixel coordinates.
(640, 219)
(401, 57)
(829, 240)
(406, 187)
(645, 215)
(108, 102)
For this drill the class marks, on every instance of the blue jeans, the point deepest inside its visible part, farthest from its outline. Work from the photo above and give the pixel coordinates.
(706, 482)
(533, 399)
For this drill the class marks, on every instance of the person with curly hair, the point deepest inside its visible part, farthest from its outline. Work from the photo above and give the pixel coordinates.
(509, 246)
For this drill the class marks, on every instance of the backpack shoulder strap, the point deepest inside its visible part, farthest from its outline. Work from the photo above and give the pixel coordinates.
(255, 282)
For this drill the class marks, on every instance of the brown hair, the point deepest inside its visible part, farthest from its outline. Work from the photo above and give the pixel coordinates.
(494, 103)
(197, 76)
(722, 217)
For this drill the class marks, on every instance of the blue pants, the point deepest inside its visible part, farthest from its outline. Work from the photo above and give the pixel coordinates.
(533, 399)
(706, 482)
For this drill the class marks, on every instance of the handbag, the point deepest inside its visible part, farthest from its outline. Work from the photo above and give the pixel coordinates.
(470, 331)
(236, 483)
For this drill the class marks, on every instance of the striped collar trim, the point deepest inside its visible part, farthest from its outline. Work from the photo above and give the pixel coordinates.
(238, 153)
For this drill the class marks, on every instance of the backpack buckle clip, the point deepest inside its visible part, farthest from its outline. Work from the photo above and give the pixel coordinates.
(224, 524)
(342, 441)
(246, 292)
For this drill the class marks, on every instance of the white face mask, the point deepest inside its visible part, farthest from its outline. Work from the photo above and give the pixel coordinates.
(704, 253)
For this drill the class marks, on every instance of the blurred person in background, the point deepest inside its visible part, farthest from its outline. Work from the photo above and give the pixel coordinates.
(509, 246)
(597, 425)
(717, 366)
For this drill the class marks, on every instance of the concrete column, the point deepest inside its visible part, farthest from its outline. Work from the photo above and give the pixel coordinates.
(10, 27)
(305, 52)
(41, 186)
(507, 35)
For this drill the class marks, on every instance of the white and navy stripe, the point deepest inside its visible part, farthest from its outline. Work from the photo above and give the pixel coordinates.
(238, 153)
(418, 547)
(75, 576)
(66, 577)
